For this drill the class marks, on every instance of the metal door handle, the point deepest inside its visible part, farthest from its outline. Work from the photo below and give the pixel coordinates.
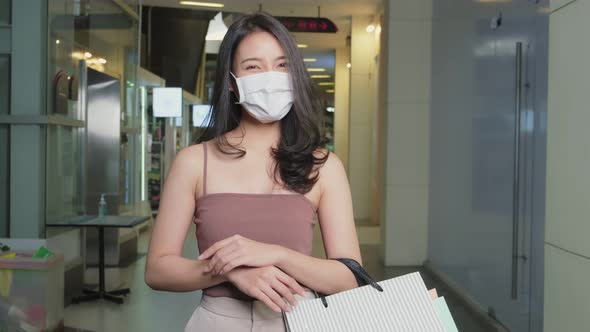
(516, 183)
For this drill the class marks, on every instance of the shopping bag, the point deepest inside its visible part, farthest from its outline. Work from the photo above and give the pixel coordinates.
(397, 304)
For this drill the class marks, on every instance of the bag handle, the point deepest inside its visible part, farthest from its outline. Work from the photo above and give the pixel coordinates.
(361, 275)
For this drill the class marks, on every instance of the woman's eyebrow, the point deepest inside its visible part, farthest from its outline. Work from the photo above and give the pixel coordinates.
(250, 59)
(282, 57)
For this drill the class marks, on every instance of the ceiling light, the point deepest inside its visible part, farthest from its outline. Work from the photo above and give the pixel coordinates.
(378, 29)
(102, 60)
(88, 55)
(316, 69)
(330, 109)
(330, 91)
(309, 60)
(202, 4)
(320, 76)
(57, 41)
(326, 83)
(370, 28)
(77, 55)
(348, 65)
(302, 45)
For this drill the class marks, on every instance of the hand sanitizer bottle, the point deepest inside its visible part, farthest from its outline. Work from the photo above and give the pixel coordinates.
(102, 206)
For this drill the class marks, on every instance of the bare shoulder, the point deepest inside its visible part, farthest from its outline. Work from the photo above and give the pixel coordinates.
(191, 155)
(332, 170)
(333, 162)
(189, 161)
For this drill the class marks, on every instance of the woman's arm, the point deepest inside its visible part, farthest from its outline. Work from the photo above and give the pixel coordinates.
(166, 269)
(338, 232)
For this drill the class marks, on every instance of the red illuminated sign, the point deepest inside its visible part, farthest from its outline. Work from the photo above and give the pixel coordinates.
(308, 24)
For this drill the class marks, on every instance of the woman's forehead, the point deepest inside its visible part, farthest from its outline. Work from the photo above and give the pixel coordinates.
(260, 45)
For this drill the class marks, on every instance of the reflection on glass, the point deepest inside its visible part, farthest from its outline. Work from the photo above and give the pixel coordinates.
(63, 198)
(4, 185)
(4, 84)
(5, 12)
(109, 46)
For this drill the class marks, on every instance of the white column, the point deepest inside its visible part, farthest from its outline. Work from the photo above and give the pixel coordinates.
(407, 27)
(362, 98)
(567, 247)
(342, 105)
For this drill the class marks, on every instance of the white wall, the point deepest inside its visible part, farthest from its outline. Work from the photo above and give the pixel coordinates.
(362, 98)
(567, 243)
(407, 28)
(342, 105)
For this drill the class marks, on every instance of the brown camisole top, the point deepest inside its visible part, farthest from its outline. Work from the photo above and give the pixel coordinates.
(282, 219)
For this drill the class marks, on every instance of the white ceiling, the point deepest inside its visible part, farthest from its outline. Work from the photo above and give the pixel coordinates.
(339, 11)
(329, 8)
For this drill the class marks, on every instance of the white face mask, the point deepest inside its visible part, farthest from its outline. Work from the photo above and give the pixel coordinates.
(267, 96)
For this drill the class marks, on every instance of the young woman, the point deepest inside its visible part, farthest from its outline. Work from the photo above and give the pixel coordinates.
(253, 187)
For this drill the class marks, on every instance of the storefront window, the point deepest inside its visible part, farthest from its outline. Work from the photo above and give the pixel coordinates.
(64, 194)
(103, 36)
(5, 12)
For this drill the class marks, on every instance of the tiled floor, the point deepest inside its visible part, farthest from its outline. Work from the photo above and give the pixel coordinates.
(146, 310)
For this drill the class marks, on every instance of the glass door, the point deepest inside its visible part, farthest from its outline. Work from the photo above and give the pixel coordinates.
(487, 95)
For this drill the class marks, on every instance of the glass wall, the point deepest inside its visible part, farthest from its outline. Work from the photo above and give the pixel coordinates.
(65, 197)
(5, 12)
(4, 185)
(4, 84)
(103, 36)
(4, 142)
(5, 20)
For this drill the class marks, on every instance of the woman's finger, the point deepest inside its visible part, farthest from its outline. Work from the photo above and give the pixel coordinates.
(221, 257)
(261, 296)
(229, 255)
(237, 260)
(275, 297)
(292, 283)
(284, 291)
(216, 246)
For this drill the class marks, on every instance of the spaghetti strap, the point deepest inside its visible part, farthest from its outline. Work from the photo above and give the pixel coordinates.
(205, 168)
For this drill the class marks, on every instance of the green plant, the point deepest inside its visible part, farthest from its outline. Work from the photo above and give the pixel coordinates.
(4, 248)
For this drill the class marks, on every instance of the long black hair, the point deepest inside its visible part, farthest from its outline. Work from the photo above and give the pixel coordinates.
(297, 157)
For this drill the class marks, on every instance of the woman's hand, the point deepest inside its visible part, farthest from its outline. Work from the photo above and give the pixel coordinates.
(237, 251)
(268, 284)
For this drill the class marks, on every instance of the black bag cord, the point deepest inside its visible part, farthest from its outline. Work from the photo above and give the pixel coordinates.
(362, 277)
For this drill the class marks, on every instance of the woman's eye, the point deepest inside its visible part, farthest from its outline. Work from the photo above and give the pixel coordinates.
(284, 65)
(251, 67)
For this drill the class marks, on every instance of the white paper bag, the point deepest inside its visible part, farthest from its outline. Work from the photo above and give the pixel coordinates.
(403, 305)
